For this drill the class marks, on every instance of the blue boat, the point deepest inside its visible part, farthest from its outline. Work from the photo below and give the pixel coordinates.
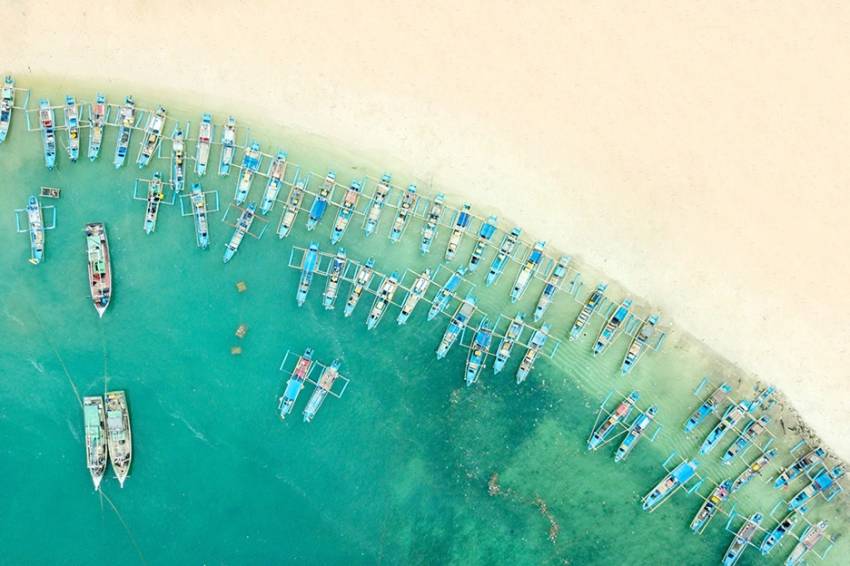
(414, 295)
(153, 134)
(432, 222)
(441, 299)
(126, 123)
(742, 540)
(708, 407)
(636, 432)
(296, 382)
(710, 506)
(202, 149)
(752, 431)
(506, 251)
(476, 360)
(277, 170)
(376, 204)
(243, 226)
(590, 307)
(753, 470)
(199, 214)
(178, 160)
(639, 344)
(535, 346)
(346, 211)
(803, 464)
(72, 123)
(824, 482)
(383, 298)
(293, 206)
(7, 103)
(250, 165)
(784, 527)
(48, 132)
(614, 421)
(311, 262)
(323, 387)
(612, 327)
(485, 234)
(36, 230)
(527, 271)
(228, 146)
(406, 206)
(334, 278)
(456, 326)
(807, 541)
(512, 336)
(320, 203)
(553, 284)
(680, 475)
(361, 281)
(458, 230)
(99, 113)
(731, 418)
(153, 200)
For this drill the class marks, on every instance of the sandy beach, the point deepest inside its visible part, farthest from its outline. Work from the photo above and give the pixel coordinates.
(695, 153)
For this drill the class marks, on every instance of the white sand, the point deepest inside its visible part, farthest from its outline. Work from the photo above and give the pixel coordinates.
(697, 153)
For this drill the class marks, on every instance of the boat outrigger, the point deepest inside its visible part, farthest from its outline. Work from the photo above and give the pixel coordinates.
(476, 360)
(671, 483)
(590, 307)
(119, 434)
(635, 433)
(7, 103)
(346, 210)
(553, 284)
(250, 166)
(432, 222)
(178, 160)
(825, 482)
(405, 210)
(376, 205)
(708, 407)
(334, 277)
(810, 537)
(753, 470)
(464, 217)
(639, 344)
(296, 382)
(361, 281)
(99, 114)
(202, 149)
(243, 226)
(512, 335)
(48, 132)
(803, 464)
(742, 540)
(323, 387)
(615, 420)
(485, 234)
(506, 251)
(199, 213)
(457, 325)
(72, 123)
(228, 146)
(276, 173)
(710, 506)
(730, 420)
(441, 299)
(535, 346)
(752, 431)
(126, 123)
(320, 203)
(153, 134)
(772, 538)
(383, 298)
(414, 295)
(612, 327)
(36, 230)
(311, 262)
(97, 451)
(155, 196)
(99, 267)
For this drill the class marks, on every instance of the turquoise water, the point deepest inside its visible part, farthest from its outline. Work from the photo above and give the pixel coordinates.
(396, 471)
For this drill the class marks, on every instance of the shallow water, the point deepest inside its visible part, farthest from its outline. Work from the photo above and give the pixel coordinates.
(396, 471)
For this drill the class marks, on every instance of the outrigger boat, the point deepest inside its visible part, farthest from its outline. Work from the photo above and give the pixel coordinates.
(753, 470)
(747, 437)
(277, 170)
(296, 382)
(614, 420)
(506, 250)
(7, 103)
(48, 132)
(36, 230)
(772, 538)
(708, 407)
(710, 506)
(293, 205)
(361, 281)
(405, 211)
(100, 269)
(731, 418)
(810, 537)
(178, 160)
(587, 310)
(250, 166)
(512, 335)
(429, 231)
(639, 343)
(199, 213)
(458, 230)
(97, 451)
(376, 205)
(742, 540)
(636, 432)
(154, 198)
(119, 434)
(383, 298)
(476, 360)
(323, 387)
(803, 464)
(346, 211)
(126, 123)
(153, 134)
(243, 226)
(72, 122)
(535, 345)
(311, 261)
(334, 277)
(228, 146)
(611, 328)
(527, 271)
(441, 299)
(414, 295)
(202, 149)
(553, 284)
(320, 203)
(99, 113)
(485, 234)
(457, 325)
(826, 481)
(680, 475)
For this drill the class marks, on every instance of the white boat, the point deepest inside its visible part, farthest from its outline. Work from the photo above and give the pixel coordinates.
(202, 150)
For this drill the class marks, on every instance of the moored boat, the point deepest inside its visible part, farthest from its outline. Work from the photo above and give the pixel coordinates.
(708, 407)
(414, 295)
(553, 284)
(228, 146)
(810, 537)
(432, 222)
(155, 196)
(742, 540)
(376, 204)
(590, 307)
(99, 266)
(535, 346)
(485, 234)
(7, 104)
(323, 387)
(527, 271)
(72, 123)
(512, 335)
(153, 134)
(680, 475)
(276, 173)
(824, 482)
(308, 268)
(406, 206)
(178, 160)
(293, 206)
(361, 281)
(36, 230)
(710, 506)
(612, 327)
(335, 272)
(639, 344)
(802, 465)
(119, 434)
(48, 132)
(772, 538)
(126, 123)
(476, 360)
(733, 415)
(753, 470)
(506, 251)
(635, 433)
(97, 451)
(441, 299)
(383, 298)
(243, 226)
(250, 165)
(615, 420)
(199, 214)
(295, 384)
(202, 149)
(99, 114)
(462, 221)
(346, 210)
(752, 431)
(456, 326)
(320, 203)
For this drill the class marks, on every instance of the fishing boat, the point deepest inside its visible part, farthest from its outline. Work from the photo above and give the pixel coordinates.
(228, 146)
(441, 299)
(464, 217)
(731, 418)
(119, 434)
(199, 213)
(293, 206)
(708, 407)
(457, 325)
(361, 281)
(334, 277)
(803, 464)
(752, 431)
(323, 387)
(810, 537)
(346, 211)
(97, 450)
(405, 210)
(553, 284)
(320, 203)
(432, 222)
(636, 432)
(772, 538)
(99, 113)
(48, 132)
(485, 234)
(612, 327)
(824, 482)
(126, 123)
(762, 398)
(527, 271)
(710, 506)
(742, 540)
(153, 134)
(7, 103)
(506, 251)
(639, 344)
(614, 421)
(376, 205)
(590, 307)
(414, 295)
(680, 475)
(311, 261)
(202, 149)
(155, 196)
(383, 298)
(243, 226)
(753, 470)
(476, 360)
(72, 123)
(100, 269)
(511, 337)
(535, 346)
(276, 173)
(36, 230)
(296, 382)
(178, 160)
(250, 165)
